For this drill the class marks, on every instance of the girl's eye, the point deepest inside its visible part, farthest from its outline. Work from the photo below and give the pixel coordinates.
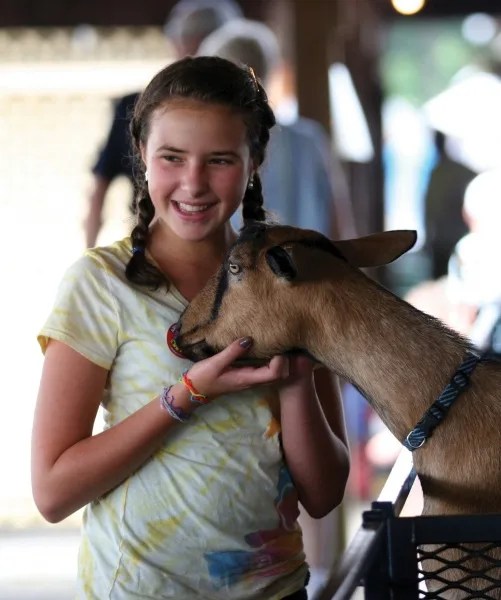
(234, 268)
(220, 161)
(172, 158)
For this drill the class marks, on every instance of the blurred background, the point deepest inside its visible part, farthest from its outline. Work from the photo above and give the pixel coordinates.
(409, 94)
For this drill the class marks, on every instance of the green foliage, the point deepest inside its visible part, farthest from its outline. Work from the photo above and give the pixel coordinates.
(421, 56)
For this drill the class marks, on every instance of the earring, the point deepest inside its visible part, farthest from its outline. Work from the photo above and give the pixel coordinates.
(250, 185)
(146, 175)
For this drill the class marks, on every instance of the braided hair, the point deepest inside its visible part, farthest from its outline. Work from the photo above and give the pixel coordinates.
(207, 79)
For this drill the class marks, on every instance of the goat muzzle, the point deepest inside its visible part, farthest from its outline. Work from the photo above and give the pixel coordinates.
(195, 351)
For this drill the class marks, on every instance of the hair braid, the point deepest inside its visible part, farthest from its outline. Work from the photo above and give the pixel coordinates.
(139, 269)
(252, 204)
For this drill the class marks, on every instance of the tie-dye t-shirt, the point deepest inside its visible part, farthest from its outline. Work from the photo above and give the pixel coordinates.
(213, 514)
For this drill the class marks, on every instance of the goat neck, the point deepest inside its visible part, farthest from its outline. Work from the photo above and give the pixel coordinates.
(387, 348)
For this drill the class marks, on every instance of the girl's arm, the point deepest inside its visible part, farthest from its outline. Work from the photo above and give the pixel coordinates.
(70, 466)
(314, 436)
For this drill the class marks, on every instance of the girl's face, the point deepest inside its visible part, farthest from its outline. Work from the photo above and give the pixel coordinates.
(198, 164)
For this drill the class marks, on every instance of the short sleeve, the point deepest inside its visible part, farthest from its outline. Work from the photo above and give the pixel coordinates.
(85, 314)
(114, 157)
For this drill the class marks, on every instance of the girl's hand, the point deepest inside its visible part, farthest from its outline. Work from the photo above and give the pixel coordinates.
(216, 375)
(300, 377)
(300, 366)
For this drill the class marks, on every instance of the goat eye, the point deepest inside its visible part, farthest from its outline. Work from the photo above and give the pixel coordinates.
(234, 268)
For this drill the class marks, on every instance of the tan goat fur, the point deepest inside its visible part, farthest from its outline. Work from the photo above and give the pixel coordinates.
(400, 358)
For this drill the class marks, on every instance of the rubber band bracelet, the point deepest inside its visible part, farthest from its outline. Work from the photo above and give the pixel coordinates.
(167, 403)
(195, 395)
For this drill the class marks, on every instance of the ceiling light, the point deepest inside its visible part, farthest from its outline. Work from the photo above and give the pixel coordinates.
(408, 7)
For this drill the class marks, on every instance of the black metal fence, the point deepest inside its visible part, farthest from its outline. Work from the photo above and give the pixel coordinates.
(417, 558)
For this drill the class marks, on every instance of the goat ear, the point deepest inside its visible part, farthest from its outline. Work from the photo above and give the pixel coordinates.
(281, 263)
(377, 249)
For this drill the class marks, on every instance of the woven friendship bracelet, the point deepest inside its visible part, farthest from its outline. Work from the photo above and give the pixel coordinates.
(195, 395)
(167, 403)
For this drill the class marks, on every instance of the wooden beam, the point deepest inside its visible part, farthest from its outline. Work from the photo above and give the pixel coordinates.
(313, 22)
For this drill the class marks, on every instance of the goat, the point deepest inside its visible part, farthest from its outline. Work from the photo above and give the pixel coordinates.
(294, 290)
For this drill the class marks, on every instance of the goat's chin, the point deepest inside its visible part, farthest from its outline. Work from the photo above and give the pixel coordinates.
(264, 358)
(249, 361)
(201, 349)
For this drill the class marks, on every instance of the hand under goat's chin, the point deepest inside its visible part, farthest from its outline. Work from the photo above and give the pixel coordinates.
(255, 361)
(195, 347)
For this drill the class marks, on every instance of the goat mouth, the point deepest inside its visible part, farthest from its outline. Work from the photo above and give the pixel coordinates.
(195, 351)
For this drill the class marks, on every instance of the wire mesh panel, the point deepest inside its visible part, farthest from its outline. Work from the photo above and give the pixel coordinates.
(454, 557)
(446, 557)
(470, 570)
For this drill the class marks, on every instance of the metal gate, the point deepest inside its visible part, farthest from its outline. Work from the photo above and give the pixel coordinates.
(417, 558)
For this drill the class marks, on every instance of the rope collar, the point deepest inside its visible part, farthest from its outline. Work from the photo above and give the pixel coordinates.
(439, 409)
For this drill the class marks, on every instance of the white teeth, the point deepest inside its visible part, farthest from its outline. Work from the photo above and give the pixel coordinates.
(192, 207)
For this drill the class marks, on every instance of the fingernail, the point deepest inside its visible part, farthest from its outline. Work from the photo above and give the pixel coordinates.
(246, 342)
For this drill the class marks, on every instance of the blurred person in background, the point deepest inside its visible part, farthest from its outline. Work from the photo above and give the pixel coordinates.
(443, 204)
(303, 182)
(473, 282)
(188, 23)
(468, 297)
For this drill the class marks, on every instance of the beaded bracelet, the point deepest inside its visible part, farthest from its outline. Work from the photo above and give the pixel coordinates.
(167, 403)
(195, 396)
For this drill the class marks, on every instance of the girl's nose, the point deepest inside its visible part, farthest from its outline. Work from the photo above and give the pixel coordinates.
(195, 180)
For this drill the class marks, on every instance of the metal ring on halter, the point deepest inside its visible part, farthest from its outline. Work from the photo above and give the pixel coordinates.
(412, 445)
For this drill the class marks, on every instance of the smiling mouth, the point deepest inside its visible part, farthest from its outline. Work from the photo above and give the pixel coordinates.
(191, 209)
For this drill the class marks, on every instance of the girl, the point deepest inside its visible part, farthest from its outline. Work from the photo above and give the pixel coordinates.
(192, 489)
